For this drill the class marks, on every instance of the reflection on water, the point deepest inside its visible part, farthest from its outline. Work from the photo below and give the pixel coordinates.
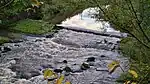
(85, 20)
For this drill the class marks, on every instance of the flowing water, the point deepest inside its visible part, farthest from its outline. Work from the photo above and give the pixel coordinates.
(23, 62)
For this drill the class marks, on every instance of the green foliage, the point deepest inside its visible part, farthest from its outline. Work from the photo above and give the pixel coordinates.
(3, 40)
(33, 26)
(143, 72)
(132, 17)
(136, 51)
(139, 58)
(61, 9)
(14, 7)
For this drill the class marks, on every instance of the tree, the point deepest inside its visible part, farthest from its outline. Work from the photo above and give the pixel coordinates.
(132, 17)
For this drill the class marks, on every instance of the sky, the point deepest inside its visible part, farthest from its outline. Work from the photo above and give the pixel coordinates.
(84, 20)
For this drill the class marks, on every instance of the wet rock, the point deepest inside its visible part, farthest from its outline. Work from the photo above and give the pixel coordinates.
(17, 59)
(105, 41)
(17, 45)
(49, 56)
(117, 42)
(5, 49)
(39, 68)
(98, 42)
(13, 80)
(76, 69)
(51, 79)
(38, 40)
(67, 73)
(85, 66)
(91, 59)
(91, 63)
(103, 56)
(0, 48)
(67, 69)
(16, 41)
(35, 73)
(58, 70)
(65, 61)
(49, 35)
(104, 47)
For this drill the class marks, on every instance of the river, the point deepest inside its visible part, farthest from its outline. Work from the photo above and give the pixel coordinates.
(23, 62)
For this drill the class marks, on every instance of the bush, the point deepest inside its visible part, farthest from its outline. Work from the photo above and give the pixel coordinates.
(131, 16)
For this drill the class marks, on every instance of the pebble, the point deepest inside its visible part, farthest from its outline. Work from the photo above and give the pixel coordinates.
(65, 61)
(49, 36)
(58, 70)
(85, 66)
(91, 59)
(5, 49)
(67, 69)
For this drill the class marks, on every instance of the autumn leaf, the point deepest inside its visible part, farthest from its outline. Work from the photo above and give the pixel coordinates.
(130, 82)
(134, 74)
(48, 82)
(67, 82)
(112, 66)
(37, 3)
(59, 81)
(48, 73)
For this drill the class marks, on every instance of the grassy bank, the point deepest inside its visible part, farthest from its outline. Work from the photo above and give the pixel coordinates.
(3, 40)
(30, 26)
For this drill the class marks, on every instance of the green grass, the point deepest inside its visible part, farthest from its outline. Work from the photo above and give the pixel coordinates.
(33, 27)
(3, 40)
